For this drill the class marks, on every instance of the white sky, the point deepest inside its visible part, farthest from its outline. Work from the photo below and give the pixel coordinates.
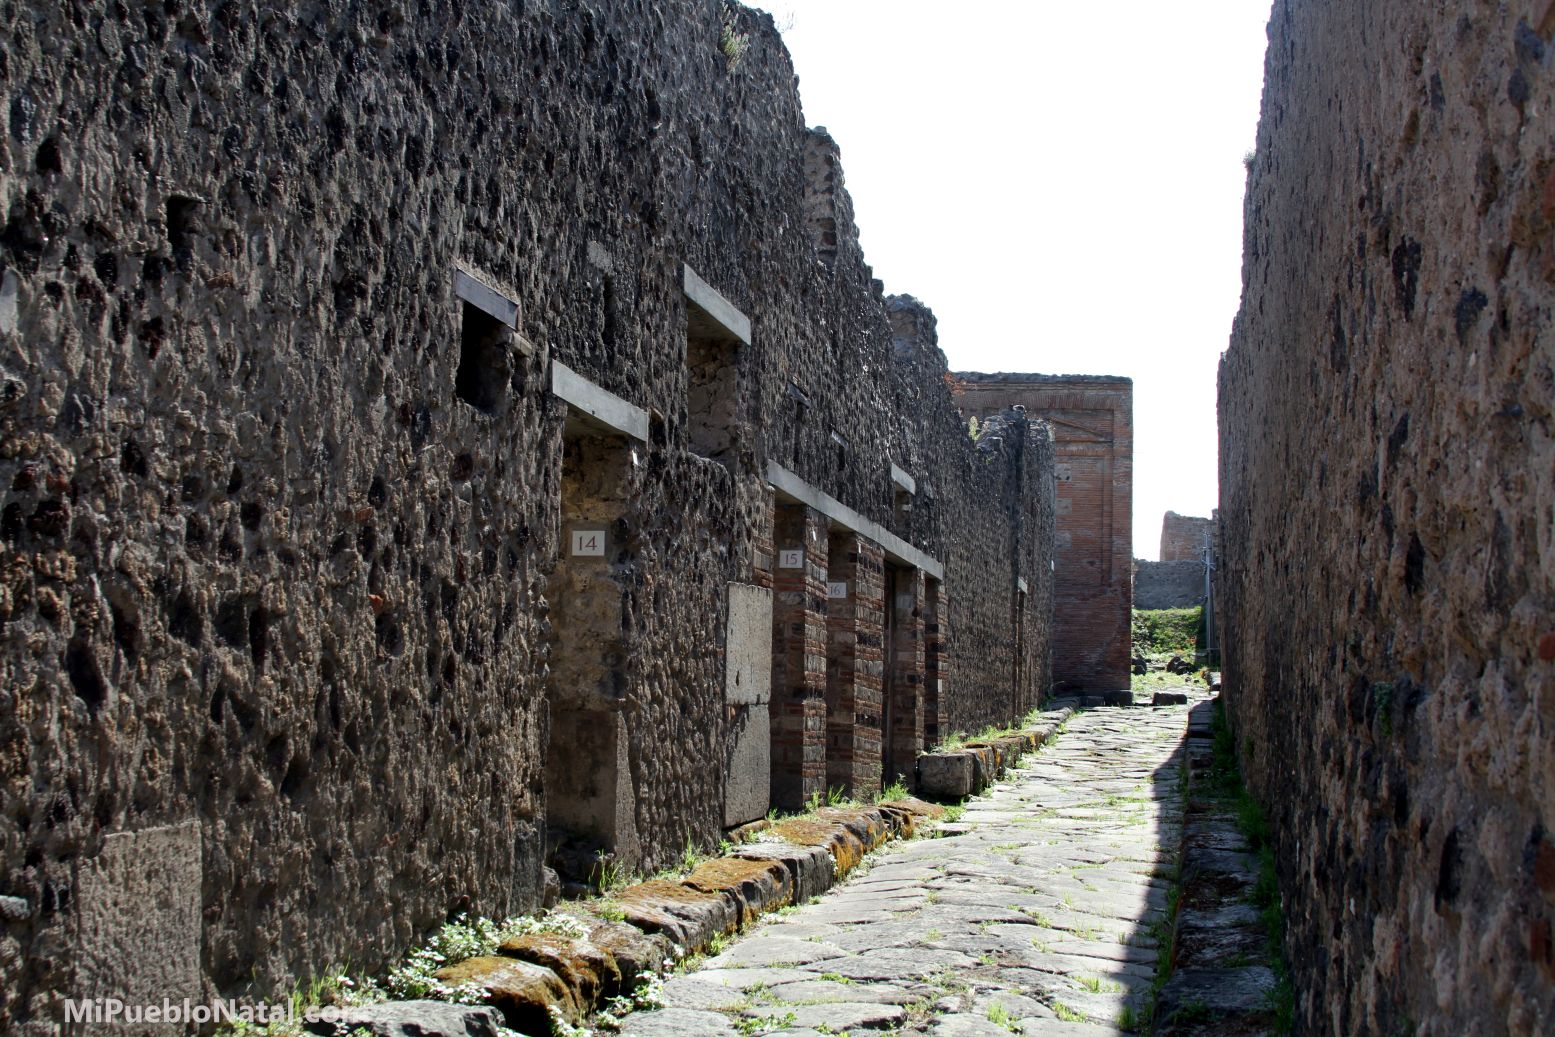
(1062, 184)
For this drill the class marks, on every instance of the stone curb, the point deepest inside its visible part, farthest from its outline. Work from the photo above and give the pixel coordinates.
(787, 862)
(959, 773)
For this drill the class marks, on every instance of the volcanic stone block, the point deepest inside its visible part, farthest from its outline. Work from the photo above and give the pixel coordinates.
(748, 644)
(811, 869)
(525, 993)
(748, 788)
(138, 911)
(946, 775)
(411, 1019)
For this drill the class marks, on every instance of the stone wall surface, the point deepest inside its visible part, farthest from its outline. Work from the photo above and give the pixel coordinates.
(1092, 423)
(1183, 537)
(1388, 579)
(284, 531)
(1168, 585)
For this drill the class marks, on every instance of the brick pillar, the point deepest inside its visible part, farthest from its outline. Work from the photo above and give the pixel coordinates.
(936, 714)
(906, 684)
(854, 664)
(798, 710)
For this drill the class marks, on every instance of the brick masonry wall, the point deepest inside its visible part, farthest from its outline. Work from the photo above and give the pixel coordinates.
(799, 651)
(1091, 418)
(1387, 584)
(855, 664)
(278, 586)
(1183, 537)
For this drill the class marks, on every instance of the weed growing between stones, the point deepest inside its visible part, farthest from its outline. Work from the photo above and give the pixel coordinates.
(648, 995)
(752, 1025)
(958, 739)
(731, 42)
(1000, 1016)
(1227, 779)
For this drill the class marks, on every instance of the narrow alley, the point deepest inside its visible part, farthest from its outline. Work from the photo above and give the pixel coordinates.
(1039, 911)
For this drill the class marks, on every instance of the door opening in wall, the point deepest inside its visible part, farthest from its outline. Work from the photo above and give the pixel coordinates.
(933, 663)
(1019, 678)
(591, 802)
(892, 683)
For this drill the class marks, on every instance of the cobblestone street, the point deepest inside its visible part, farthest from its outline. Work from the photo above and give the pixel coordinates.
(1033, 913)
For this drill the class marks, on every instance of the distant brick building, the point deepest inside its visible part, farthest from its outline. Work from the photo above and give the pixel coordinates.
(1092, 418)
(1183, 537)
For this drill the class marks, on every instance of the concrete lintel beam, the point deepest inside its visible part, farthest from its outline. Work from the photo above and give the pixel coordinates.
(794, 488)
(599, 407)
(715, 307)
(902, 479)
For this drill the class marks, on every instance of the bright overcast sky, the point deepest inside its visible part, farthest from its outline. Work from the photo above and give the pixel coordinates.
(1062, 183)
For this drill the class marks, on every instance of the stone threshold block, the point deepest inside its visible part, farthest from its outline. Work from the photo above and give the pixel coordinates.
(958, 773)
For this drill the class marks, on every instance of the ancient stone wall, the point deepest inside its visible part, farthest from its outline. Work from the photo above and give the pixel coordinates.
(1184, 537)
(1168, 585)
(392, 400)
(1092, 423)
(1007, 565)
(1386, 477)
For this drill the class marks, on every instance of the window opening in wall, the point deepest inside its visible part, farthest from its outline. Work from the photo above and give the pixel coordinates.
(839, 444)
(485, 359)
(712, 395)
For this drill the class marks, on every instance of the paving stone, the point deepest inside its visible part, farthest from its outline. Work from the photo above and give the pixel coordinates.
(744, 979)
(825, 991)
(677, 1022)
(694, 991)
(774, 952)
(1220, 990)
(840, 1015)
(894, 963)
(967, 1026)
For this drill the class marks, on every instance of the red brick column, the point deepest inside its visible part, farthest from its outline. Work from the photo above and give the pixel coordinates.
(798, 709)
(905, 687)
(854, 664)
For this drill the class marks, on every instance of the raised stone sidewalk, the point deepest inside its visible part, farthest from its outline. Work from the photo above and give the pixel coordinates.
(1037, 913)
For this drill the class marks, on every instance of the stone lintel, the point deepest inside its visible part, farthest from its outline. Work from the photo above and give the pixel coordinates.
(715, 307)
(486, 298)
(791, 486)
(900, 477)
(598, 407)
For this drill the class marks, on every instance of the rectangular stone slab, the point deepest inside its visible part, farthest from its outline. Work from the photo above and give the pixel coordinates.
(748, 645)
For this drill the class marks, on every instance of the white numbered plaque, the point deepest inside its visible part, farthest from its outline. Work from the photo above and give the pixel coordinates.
(588, 543)
(791, 559)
